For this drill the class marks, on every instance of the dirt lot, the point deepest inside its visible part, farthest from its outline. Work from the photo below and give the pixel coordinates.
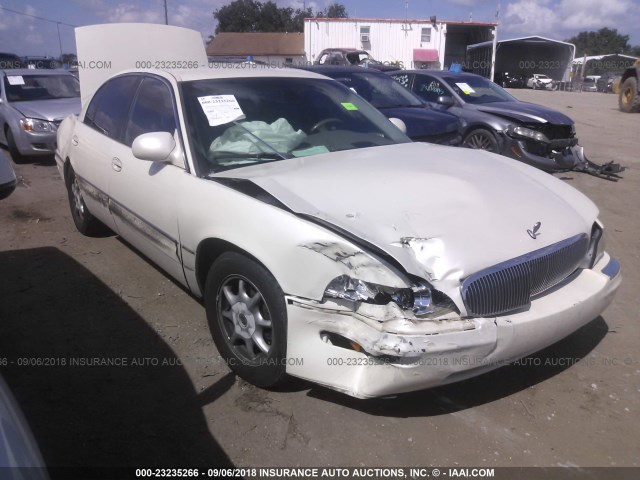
(65, 297)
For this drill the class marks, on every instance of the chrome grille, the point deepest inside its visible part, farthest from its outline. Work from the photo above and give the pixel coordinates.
(510, 285)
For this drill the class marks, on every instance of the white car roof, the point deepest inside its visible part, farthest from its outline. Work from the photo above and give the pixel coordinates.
(231, 72)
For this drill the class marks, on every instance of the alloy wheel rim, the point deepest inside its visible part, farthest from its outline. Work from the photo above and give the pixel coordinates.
(78, 203)
(479, 142)
(244, 317)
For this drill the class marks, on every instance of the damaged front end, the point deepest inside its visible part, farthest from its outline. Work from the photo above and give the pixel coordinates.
(368, 339)
(553, 148)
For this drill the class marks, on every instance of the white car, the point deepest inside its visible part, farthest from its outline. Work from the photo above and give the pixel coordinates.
(540, 81)
(325, 244)
(19, 451)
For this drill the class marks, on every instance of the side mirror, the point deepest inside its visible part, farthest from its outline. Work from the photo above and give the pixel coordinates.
(446, 101)
(154, 146)
(400, 124)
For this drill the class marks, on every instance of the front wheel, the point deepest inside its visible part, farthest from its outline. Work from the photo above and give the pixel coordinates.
(481, 139)
(629, 100)
(13, 148)
(247, 317)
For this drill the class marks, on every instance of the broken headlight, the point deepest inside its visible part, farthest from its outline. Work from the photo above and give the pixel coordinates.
(527, 134)
(421, 299)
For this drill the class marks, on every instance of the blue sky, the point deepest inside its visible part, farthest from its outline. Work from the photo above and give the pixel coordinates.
(557, 19)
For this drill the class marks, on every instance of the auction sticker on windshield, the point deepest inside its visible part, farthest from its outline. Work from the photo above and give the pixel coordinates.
(465, 88)
(15, 79)
(221, 109)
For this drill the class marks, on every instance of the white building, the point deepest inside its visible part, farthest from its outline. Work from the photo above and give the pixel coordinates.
(524, 56)
(412, 43)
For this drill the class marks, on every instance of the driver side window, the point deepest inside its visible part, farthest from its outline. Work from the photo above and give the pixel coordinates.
(429, 88)
(152, 111)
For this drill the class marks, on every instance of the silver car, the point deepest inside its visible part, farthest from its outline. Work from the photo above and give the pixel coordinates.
(32, 105)
(7, 176)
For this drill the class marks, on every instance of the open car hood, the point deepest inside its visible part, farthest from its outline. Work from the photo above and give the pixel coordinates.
(442, 213)
(525, 112)
(116, 47)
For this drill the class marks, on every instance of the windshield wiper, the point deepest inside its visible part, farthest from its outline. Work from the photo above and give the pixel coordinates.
(224, 155)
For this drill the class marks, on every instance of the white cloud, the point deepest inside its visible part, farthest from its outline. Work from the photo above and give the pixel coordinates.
(465, 3)
(565, 18)
(301, 5)
(530, 17)
(127, 12)
(15, 26)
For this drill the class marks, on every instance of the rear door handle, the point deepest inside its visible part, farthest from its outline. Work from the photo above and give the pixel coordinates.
(74, 140)
(116, 164)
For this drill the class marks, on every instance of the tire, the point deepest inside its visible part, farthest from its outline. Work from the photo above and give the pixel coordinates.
(17, 157)
(481, 139)
(629, 100)
(247, 318)
(86, 223)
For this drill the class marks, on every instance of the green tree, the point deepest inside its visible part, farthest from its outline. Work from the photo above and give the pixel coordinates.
(255, 16)
(604, 41)
(336, 10)
(68, 58)
(238, 16)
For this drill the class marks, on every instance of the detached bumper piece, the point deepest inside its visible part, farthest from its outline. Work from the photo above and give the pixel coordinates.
(608, 171)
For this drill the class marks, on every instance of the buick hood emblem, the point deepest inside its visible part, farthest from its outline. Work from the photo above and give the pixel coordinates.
(534, 232)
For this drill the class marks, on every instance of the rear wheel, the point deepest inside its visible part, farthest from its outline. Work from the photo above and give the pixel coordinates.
(629, 100)
(13, 148)
(247, 317)
(481, 139)
(86, 223)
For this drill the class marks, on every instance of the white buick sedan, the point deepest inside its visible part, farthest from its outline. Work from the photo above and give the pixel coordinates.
(324, 243)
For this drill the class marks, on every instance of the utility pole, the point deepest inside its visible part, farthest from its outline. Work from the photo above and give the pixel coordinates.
(495, 44)
(166, 14)
(59, 40)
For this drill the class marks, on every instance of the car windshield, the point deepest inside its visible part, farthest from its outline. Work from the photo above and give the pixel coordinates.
(24, 88)
(381, 91)
(478, 90)
(238, 122)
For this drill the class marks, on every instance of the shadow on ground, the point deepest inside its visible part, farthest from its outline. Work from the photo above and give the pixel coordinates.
(485, 388)
(44, 160)
(146, 413)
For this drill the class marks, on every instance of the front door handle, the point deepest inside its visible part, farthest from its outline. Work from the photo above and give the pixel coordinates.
(74, 140)
(116, 164)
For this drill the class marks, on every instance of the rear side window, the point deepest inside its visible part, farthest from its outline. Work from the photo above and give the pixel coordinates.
(429, 88)
(152, 111)
(109, 108)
